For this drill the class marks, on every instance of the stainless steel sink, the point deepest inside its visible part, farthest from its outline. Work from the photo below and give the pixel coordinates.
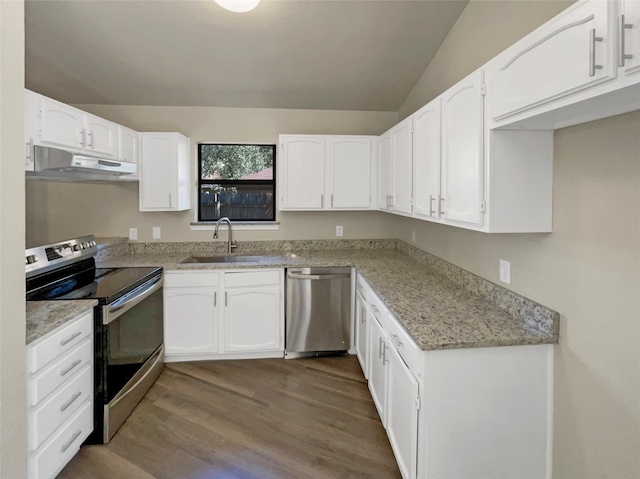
(223, 259)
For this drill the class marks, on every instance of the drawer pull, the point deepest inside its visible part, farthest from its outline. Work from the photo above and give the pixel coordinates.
(67, 445)
(374, 307)
(70, 401)
(64, 372)
(396, 339)
(64, 342)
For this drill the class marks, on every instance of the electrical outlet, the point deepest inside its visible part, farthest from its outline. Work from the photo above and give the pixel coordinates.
(339, 230)
(505, 271)
(133, 233)
(156, 232)
(413, 236)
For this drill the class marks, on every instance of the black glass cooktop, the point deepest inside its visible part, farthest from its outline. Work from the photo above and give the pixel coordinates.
(84, 281)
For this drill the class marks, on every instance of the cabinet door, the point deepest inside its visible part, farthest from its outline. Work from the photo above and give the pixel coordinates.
(190, 320)
(385, 171)
(426, 160)
(629, 37)
(402, 414)
(402, 166)
(303, 170)
(31, 121)
(362, 334)
(348, 172)
(128, 148)
(378, 362)
(61, 125)
(570, 53)
(158, 172)
(101, 136)
(253, 319)
(462, 155)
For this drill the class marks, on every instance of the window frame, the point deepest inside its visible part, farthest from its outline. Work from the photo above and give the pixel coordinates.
(221, 182)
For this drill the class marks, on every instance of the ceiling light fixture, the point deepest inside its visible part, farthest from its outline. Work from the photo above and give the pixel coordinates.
(238, 5)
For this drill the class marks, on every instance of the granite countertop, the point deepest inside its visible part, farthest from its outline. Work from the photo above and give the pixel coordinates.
(436, 312)
(45, 316)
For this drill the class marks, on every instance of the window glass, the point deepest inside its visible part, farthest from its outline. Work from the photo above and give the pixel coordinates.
(236, 181)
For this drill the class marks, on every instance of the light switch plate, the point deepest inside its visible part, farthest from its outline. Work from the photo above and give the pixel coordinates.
(156, 232)
(339, 230)
(505, 271)
(133, 233)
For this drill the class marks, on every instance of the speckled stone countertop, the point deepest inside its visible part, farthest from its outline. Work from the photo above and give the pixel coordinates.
(437, 312)
(45, 316)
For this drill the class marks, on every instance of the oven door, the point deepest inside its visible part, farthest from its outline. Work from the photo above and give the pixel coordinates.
(132, 354)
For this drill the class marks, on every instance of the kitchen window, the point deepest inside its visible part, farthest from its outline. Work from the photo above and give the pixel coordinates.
(236, 181)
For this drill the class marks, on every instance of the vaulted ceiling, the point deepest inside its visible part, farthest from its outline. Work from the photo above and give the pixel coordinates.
(309, 54)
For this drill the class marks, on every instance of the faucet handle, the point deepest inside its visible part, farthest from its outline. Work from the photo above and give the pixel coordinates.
(234, 244)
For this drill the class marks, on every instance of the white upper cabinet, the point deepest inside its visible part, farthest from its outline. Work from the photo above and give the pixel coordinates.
(628, 29)
(101, 136)
(574, 51)
(164, 172)
(302, 172)
(128, 149)
(462, 151)
(348, 172)
(52, 123)
(426, 160)
(325, 172)
(385, 171)
(402, 194)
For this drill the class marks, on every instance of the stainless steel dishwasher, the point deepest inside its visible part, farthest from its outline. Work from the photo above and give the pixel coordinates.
(318, 316)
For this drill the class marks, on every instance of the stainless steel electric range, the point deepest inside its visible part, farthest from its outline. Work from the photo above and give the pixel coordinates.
(128, 328)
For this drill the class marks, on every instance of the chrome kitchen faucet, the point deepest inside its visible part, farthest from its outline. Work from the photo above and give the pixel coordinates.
(230, 243)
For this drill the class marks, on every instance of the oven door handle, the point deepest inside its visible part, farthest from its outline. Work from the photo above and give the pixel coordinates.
(128, 301)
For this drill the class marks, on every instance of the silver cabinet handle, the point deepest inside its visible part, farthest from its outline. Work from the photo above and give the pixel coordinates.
(67, 445)
(226, 299)
(215, 299)
(622, 55)
(30, 150)
(363, 315)
(396, 339)
(592, 52)
(332, 200)
(83, 140)
(70, 401)
(64, 342)
(442, 213)
(431, 210)
(317, 277)
(390, 201)
(321, 201)
(91, 145)
(384, 353)
(64, 372)
(380, 347)
(170, 200)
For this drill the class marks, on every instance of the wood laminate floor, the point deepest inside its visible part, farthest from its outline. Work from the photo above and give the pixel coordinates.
(252, 419)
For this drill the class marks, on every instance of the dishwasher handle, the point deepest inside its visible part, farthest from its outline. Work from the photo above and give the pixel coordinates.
(318, 276)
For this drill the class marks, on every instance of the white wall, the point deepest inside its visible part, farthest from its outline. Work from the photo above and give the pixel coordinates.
(13, 416)
(57, 211)
(588, 269)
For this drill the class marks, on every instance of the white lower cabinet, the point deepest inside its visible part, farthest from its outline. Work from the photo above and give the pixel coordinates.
(403, 403)
(475, 412)
(378, 366)
(361, 326)
(59, 396)
(214, 314)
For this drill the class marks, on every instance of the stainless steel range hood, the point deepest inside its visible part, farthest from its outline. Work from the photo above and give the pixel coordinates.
(61, 165)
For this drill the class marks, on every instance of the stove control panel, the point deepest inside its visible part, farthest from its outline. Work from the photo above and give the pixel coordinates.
(47, 257)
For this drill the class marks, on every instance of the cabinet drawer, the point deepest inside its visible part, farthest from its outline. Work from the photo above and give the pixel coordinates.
(378, 308)
(60, 371)
(61, 340)
(252, 278)
(60, 407)
(402, 341)
(194, 279)
(63, 445)
(363, 287)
